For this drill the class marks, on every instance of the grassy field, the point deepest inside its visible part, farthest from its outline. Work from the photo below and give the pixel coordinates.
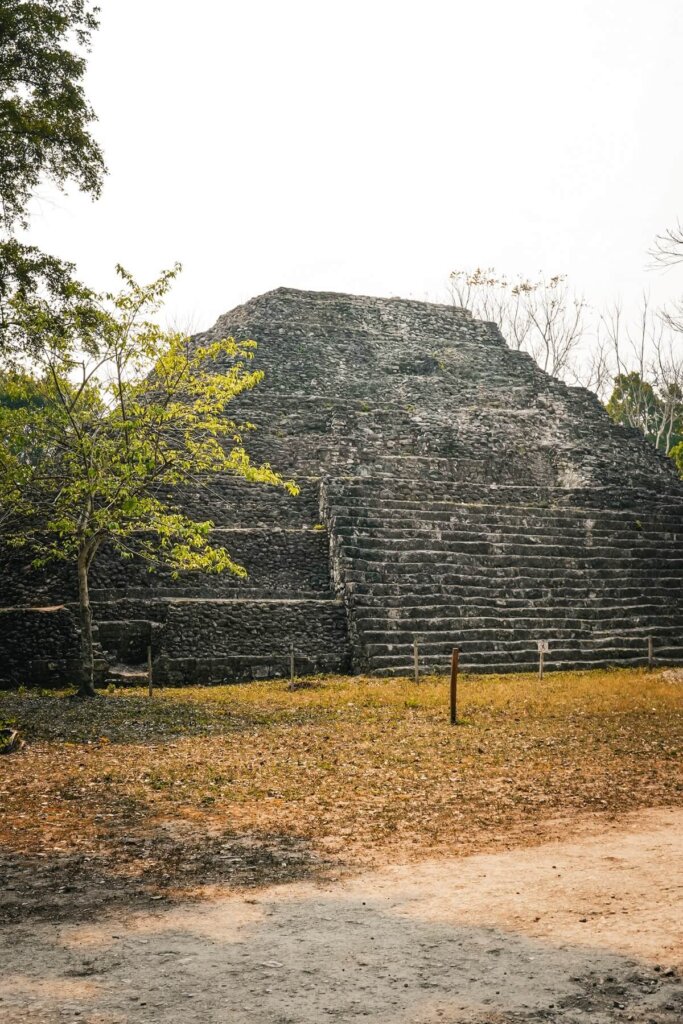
(243, 784)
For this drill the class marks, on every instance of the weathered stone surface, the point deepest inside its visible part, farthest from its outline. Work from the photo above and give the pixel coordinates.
(450, 491)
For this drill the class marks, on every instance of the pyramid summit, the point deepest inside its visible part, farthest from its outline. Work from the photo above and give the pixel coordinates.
(450, 492)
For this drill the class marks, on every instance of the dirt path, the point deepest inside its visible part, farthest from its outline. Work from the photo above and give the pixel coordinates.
(573, 931)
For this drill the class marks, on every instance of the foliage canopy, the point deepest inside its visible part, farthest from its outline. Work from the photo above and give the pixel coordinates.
(45, 134)
(635, 402)
(44, 114)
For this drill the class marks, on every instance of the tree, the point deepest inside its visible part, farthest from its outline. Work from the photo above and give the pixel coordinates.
(543, 317)
(634, 402)
(643, 363)
(676, 454)
(44, 114)
(667, 249)
(45, 134)
(636, 368)
(25, 273)
(112, 412)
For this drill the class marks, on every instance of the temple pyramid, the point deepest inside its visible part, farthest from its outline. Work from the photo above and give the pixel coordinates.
(452, 494)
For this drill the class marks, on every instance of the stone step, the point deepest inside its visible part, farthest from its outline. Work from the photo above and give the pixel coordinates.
(505, 574)
(591, 619)
(604, 607)
(467, 585)
(598, 609)
(596, 617)
(585, 530)
(502, 502)
(470, 533)
(504, 639)
(127, 675)
(401, 490)
(492, 658)
(428, 602)
(440, 665)
(504, 602)
(398, 522)
(508, 509)
(458, 526)
(442, 500)
(488, 556)
(518, 574)
(467, 536)
(514, 555)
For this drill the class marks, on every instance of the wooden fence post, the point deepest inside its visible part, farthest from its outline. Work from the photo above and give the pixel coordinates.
(455, 656)
(543, 648)
(416, 661)
(291, 666)
(650, 652)
(149, 671)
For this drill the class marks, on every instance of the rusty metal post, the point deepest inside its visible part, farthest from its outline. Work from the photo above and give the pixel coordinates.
(650, 652)
(454, 685)
(416, 661)
(149, 671)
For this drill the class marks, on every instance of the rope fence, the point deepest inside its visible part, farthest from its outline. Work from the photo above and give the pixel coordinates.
(543, 648)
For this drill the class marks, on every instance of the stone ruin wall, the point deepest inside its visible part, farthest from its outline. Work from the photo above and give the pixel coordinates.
(450, 491)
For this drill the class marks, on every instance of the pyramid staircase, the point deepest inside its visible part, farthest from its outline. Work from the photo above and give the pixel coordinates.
(494, 575)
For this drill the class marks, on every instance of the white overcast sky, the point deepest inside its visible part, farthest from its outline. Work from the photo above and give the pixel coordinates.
(375, 146)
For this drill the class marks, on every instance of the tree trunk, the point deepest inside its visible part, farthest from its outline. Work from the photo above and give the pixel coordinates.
(86, 683)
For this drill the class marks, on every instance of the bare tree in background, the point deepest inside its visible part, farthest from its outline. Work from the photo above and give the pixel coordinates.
(544, 317)
(667, 249)
(634, 364)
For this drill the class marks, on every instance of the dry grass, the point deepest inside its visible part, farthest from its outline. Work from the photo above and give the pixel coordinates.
(245, 783)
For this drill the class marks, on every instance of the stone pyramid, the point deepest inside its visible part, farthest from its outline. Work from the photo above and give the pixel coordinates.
(452, 493)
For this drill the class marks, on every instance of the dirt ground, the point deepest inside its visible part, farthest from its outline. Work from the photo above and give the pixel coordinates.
(125, 800)
(584, 929)
(339, 851)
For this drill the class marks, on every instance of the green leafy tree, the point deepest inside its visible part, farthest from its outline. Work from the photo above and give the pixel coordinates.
(112, 414)
(45, 135)
(676, 454)
(44, 113)
(26, 273)
(658, 413)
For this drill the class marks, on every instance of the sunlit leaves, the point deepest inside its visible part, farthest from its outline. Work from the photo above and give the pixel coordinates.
(112, 413)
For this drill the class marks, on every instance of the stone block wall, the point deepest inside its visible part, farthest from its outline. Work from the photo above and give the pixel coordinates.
(38, 646)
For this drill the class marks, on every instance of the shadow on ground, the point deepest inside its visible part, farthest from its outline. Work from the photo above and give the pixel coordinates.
(56, 716)
(303, 956)
(153, 864)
